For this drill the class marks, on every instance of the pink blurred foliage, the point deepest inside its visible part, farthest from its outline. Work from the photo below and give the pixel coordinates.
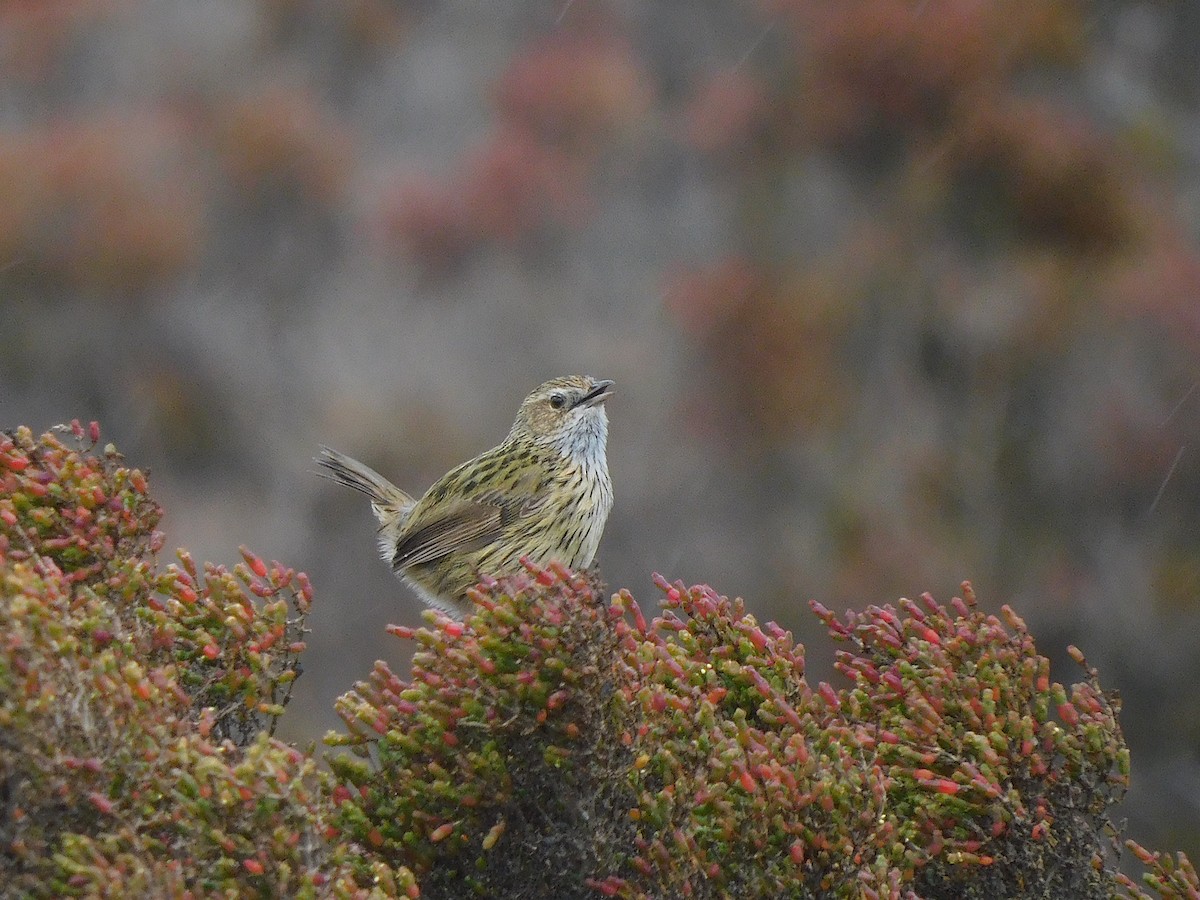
(104, 205)
(575, 88)
(1065, 183)
(365, 26)
(727, 114)
(702, 299)
(510, 187)
(975, 182)
(429, 220)
(561, 103)
(1162, 281)
(117, 204)
(277, 137)
(34, 33)
(879, 66)
(514, 182)
(872, 70)
(776, 335)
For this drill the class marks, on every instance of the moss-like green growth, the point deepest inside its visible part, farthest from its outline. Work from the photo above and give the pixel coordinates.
(555, 745)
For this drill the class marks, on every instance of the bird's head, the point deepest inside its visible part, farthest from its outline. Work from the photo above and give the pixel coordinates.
(567, 413)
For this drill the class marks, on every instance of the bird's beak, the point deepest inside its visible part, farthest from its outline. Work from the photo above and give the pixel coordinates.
(601, 391)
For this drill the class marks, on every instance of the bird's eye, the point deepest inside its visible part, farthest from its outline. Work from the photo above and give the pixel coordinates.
(558, 401)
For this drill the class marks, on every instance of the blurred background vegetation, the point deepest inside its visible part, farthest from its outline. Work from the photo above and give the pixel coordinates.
(895, 293)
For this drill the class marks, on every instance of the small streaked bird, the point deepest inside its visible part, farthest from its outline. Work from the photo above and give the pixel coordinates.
(543, 493)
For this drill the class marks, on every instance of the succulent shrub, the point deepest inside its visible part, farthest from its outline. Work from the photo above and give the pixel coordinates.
(557, 743)
(137, 700)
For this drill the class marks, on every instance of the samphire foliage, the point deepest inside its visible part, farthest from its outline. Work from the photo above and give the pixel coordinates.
(137, 700)
(556, 744)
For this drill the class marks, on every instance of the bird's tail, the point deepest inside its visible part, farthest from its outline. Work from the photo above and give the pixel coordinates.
(388, 502)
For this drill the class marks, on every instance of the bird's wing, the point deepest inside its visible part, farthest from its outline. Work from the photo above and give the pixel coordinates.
(469, 524)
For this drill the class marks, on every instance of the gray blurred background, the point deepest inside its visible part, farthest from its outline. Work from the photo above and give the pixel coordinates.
(895, 293)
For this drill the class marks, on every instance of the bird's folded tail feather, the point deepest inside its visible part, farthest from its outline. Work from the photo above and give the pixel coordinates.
(387, 501)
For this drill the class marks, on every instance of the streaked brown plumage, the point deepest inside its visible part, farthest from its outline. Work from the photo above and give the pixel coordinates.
(543, 493)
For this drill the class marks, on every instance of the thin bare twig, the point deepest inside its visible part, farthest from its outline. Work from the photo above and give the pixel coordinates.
(757, 41)
(1162, 487)
(1179, 405)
